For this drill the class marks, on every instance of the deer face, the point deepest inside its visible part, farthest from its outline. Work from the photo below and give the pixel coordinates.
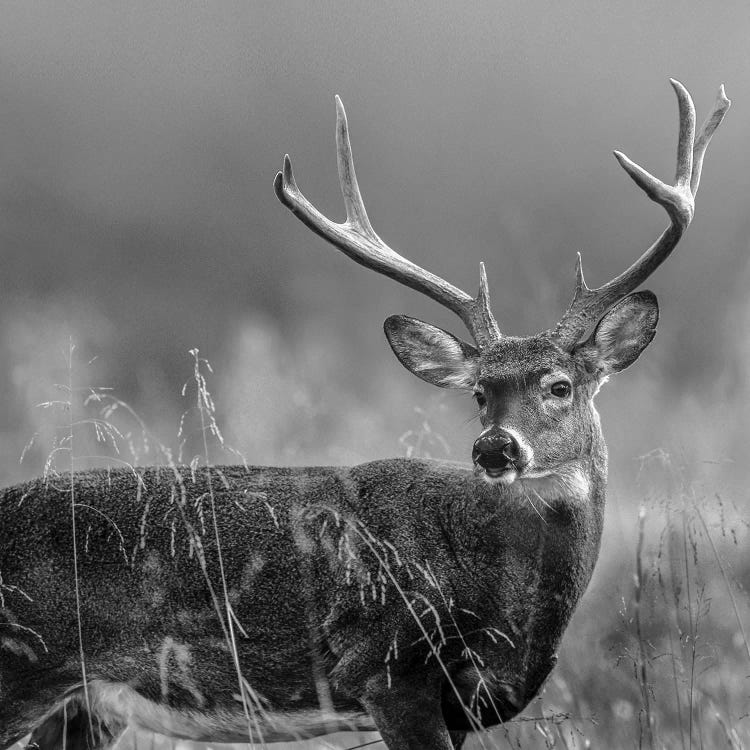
(534, 397)
(533, 400)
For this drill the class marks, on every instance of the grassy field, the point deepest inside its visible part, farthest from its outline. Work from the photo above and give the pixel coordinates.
(657, 655)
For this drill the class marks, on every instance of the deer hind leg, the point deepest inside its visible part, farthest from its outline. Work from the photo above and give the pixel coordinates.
(76, 723)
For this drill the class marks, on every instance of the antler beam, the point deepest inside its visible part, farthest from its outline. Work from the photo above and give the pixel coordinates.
(357, 239)
(589, 304)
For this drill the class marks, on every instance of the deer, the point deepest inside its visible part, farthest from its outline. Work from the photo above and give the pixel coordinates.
(423, 599)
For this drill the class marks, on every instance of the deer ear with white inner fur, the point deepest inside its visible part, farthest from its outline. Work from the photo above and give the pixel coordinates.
(622, 334)
(431, 353)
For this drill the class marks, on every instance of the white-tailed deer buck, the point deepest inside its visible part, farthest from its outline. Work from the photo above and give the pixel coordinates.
(422, 598)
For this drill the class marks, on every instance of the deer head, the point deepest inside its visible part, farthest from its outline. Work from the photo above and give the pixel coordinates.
(534, 394)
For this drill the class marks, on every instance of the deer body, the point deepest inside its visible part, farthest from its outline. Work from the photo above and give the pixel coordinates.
(306, 586)
(423, 599)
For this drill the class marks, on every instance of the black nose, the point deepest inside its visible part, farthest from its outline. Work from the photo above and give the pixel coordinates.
(495, 449)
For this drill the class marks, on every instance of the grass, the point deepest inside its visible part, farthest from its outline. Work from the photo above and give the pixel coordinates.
(657, 656)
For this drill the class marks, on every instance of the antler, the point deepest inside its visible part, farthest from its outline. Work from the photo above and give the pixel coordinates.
(589, 304)
(357, 239)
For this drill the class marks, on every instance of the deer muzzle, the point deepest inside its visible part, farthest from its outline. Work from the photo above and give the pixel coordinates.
(496, 451)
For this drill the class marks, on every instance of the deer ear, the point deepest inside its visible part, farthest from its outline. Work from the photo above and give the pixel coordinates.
(432, 353)
(622, 334)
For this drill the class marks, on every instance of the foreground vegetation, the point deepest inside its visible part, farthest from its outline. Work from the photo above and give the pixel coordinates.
(657, 656)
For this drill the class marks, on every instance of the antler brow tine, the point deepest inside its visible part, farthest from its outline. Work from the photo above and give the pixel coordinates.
(589, 304)
(358, 240)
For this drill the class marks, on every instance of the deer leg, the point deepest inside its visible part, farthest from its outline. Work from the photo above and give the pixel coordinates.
(73, 724)
(408, 714)
(458, 739)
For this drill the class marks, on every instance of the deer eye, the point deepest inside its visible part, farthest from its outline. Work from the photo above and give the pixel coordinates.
(481, 400)
(560, 389)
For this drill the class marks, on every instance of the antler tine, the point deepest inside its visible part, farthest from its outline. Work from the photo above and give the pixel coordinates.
(356, 215)
(357, 239)
(589, 304)
(712, 122)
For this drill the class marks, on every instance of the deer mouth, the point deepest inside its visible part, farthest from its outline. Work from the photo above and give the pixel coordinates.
(511, 472)
(495, 475)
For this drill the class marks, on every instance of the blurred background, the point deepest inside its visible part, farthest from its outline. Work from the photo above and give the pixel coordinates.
(138, 145)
